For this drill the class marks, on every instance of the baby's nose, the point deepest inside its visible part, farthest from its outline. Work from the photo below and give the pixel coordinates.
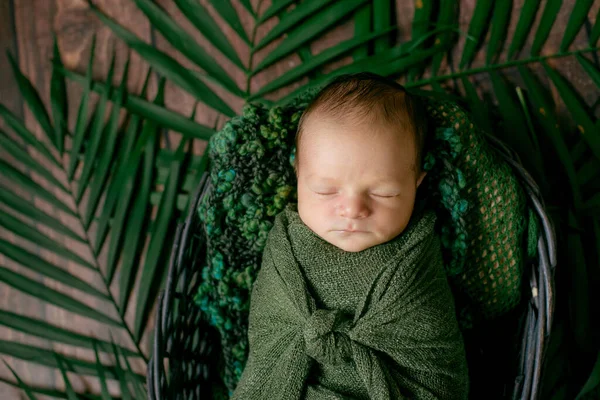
(354, 208)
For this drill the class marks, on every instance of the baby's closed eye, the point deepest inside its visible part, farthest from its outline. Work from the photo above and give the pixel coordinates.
(385, 195)
(325, 192)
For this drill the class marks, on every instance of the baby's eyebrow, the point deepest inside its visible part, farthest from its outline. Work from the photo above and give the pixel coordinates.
(316, 177)
(388, 182)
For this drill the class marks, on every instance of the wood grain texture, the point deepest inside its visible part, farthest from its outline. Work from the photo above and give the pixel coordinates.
(9, 96)
(9, 92)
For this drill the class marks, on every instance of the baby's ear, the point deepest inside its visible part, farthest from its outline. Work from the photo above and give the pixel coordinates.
(421, 177)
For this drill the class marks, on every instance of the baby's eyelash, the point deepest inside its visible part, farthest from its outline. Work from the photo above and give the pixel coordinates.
(325, 194)
(385, 196)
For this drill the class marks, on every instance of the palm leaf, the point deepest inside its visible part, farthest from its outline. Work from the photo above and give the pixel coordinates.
(104, 160)
(228, 13)
(96, 135)
(55, 394)
(139, 106)
(549, 14)
(186, 45)
(82, 114)
(52, 296)
(590, 68)
(23, 156)
(18, 177)
(312, 27)
(382, 20)
(314, 62)
(27, 231)
(530, 8)
(585, 123)
(576, 19)
(47, 269)
(55, 333)
(46, 357)
(422, 22)
(131, 256)
(26, 207)
(398, 60)
(121, 374)
(64, 365)
(140, 392)
(275, 9)
(549, 122)
(33, 100)
(25, 134)
(58, 96)
(199, 17)
(248, 6)
(31, 389)
(108, 174)
(103, 167)
(515, 132)
(477, 30)
(101, 375)
(22, 385)
(291, 19)
(168, 66)
(595, 34)
(480, 113)
(447, 16)
(158, 247)
(362, 27)
(71, 395)
(500, 19)
(123, 191)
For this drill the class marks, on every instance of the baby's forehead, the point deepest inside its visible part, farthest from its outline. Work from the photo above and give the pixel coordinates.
(354, 131)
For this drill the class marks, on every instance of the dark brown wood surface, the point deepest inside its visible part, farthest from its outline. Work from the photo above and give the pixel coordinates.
(27, 29)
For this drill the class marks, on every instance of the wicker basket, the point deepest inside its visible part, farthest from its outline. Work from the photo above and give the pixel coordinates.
(185, 359)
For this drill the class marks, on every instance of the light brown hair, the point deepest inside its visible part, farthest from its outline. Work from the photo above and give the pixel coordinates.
(370, 98)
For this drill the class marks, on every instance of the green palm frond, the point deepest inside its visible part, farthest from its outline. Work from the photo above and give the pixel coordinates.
(108, 185)
(500, 77)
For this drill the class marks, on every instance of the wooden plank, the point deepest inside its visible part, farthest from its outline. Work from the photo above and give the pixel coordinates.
(9, 97)
(9, 92)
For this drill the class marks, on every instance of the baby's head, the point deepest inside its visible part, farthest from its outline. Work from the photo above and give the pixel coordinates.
(358, 161)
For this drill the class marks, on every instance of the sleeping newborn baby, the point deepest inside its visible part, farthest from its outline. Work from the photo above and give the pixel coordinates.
(351, 301)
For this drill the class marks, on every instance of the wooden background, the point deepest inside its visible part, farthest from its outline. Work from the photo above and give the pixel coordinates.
(26, 30)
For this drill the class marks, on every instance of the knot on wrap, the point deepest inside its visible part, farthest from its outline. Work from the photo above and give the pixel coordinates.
(326, 337)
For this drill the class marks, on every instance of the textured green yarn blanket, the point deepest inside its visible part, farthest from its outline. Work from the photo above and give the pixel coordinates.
(329, 324)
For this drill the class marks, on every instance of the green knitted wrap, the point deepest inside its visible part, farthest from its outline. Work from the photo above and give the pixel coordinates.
(377, 324)
(480, 208)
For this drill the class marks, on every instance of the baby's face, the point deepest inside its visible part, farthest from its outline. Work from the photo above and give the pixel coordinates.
(356, 190)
